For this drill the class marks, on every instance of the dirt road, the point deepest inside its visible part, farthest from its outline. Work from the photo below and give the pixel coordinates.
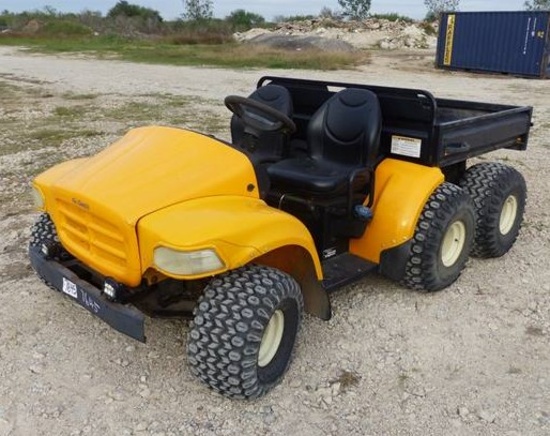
(471, 360)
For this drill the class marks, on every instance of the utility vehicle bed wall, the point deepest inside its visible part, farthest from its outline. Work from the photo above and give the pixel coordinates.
(446, 131)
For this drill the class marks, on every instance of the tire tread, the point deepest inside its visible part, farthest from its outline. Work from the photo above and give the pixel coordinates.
(421, 271)
(486, 182)
(230, 316)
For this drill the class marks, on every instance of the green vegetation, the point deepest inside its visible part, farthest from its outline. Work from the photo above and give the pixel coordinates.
(69, 111)
(175, 52)
(65, 28)
(54, 137)
(355, 9)
(242, 20)
(125, 9)
(72, 96)
(393, 16)
(293, 18)
(428, 28)
(437, 7)
(135, 33)
(209, 32)
(537, 5)
(198, 10)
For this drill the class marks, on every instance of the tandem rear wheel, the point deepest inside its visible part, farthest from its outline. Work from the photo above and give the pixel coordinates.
(442, 240)
(499, 194)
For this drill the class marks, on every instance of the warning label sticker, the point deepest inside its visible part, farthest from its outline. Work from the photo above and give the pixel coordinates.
(405, 146)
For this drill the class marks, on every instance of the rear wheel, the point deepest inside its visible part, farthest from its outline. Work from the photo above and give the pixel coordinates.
(499, 194)
(243, 333)
(442, 240)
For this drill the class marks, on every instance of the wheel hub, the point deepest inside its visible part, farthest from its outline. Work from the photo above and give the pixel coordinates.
(453, 243)
(508, 215)
(271, 340)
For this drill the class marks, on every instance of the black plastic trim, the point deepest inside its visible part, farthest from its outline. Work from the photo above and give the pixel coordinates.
(393, 261)
(123, 318)
(344, 269)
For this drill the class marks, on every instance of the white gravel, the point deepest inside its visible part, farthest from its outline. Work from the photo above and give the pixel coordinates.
(471, 360)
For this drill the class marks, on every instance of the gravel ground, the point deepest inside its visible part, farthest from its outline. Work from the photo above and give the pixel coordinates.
(471, 360)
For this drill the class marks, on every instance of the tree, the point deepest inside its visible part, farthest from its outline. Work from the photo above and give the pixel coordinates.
(537, 5)
(329, 14)
(243, 20)
(355, 9)
(436, 7)
(50, 11)
(125, 9)
(197, 10)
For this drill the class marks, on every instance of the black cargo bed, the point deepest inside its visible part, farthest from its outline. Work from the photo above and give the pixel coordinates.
(419, 127)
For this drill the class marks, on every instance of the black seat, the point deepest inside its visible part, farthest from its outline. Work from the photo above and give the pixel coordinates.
(267, 146)
(343, 138)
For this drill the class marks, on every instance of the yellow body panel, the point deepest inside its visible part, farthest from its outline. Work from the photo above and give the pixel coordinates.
(240, 229)
(151, 168)
(96, 203)
(401, 191)
(160, 186)
(44, 181)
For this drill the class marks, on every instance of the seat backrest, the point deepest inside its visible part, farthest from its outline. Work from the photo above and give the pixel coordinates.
(271, 144)
(346, 129)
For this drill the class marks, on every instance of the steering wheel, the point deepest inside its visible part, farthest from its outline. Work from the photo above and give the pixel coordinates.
(259, 117)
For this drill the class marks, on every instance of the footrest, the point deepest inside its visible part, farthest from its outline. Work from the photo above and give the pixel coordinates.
(344, 269)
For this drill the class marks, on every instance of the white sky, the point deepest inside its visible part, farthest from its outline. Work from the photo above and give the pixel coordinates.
(171, 9)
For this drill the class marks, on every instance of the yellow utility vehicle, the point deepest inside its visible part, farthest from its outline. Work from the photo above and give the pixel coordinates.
(322, 183)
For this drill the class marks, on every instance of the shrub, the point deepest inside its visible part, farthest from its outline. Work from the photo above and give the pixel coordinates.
(200, 32)
(428, 28)
(393, 16)
(129, 10)
(355, 9)
(64, 28)
(241, 20)
(292, 18)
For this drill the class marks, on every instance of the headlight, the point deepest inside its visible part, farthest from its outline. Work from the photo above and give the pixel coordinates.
(187, 262)
(37, 198)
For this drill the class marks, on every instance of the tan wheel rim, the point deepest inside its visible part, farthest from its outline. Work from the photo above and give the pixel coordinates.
(453, 243)
(271, 340)
(508, 215)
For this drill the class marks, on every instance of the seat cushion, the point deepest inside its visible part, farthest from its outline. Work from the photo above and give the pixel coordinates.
(346, 129)
(343, 137)
(306, 175)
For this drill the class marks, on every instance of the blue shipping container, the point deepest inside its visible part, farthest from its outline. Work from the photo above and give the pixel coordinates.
(502, 42)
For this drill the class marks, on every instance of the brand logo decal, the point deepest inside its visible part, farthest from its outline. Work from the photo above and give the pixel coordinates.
(80, 203)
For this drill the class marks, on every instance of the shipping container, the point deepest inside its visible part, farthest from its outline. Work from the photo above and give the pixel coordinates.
(514, 43)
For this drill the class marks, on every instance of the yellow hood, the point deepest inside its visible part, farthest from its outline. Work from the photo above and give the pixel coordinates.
(151, 168)
(96, 203)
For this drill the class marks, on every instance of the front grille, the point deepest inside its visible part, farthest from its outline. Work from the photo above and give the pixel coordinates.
(92, 238)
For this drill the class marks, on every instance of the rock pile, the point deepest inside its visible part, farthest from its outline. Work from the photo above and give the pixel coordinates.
(370, 33)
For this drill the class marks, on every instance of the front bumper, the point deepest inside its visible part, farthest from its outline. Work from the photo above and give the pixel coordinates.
(122, 317)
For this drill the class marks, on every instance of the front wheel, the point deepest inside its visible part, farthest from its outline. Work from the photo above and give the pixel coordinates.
(499, 194)
(243, 333)
(43, 232)
(442, 240)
